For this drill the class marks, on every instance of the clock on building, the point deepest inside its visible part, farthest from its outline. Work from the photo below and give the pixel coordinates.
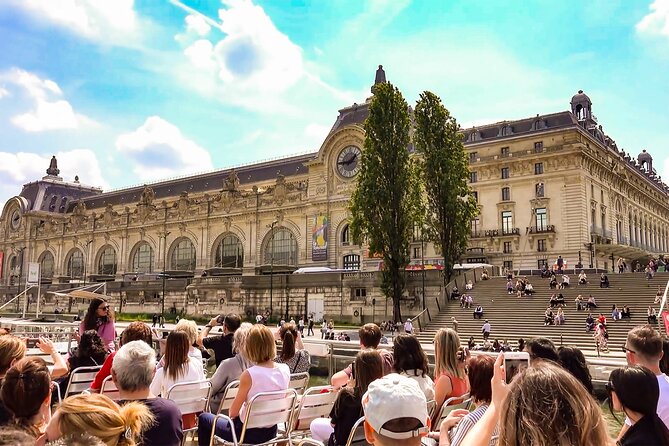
(15, 219)
(348, 161)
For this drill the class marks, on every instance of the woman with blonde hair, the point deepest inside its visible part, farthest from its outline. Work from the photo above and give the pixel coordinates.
(179, 367)
(450, 379)
(11, 350)
(190, 328)
(543, 405)
(99, 416)
(230, 369)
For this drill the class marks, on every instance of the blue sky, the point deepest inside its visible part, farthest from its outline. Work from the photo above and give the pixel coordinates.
(126, 92)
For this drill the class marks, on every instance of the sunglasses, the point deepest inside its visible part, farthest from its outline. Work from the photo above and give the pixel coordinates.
(105, 308)
(625, 350)
(609, 387)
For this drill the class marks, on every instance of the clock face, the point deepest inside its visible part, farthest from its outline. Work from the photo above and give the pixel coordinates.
(15, 219)
(348, 161)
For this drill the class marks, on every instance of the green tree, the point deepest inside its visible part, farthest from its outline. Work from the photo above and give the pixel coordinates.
(385, 202)
(450, 206)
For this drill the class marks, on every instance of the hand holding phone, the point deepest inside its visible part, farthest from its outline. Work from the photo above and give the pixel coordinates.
(514, 363)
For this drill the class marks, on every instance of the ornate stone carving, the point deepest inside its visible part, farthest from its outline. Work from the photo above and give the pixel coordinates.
(109, 216)
(147, 196)
(231, 183)
(227, 222)
(78, 219)
(182, 205)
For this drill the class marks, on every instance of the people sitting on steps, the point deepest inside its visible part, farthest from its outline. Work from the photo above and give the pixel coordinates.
(626, 313)
(615, 313)
(455, 293)
(582, 278)
(580, 305)
(478, 312)
(652, 315)
(589, 323)
(604, 281)
(552, 284)
(565, 282)
(591, 302)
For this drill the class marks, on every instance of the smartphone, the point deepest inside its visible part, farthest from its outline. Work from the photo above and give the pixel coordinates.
(514, 363)
(32, 342)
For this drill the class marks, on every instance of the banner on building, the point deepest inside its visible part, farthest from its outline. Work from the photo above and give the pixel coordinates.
(319, 238)
(2, 263)
(665, 318)
(33, 272)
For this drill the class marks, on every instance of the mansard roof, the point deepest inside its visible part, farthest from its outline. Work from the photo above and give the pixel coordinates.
(526, 126)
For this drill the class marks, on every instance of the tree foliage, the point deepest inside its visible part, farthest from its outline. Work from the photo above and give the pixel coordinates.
(385, 202)
(445, 173)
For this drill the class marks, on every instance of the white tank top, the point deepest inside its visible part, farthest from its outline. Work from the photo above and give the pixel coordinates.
(265, 379)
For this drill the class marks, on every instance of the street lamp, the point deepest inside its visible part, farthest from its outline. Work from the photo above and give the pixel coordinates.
(162, 306)
(20, 251)
(271, 269)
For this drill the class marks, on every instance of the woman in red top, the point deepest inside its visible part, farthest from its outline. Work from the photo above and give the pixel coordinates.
(450, 379)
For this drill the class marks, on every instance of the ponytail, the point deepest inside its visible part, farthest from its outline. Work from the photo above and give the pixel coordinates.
(288, 337)
(137, 418)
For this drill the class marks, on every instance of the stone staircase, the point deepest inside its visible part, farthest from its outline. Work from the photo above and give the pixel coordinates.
(512, 318)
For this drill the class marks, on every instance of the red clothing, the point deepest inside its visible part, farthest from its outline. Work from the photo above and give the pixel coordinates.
(104, 372)
(458, 385)
(602, 319)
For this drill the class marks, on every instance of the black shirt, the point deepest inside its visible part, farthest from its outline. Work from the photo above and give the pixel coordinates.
(644, 433)
(221, 345)
(345, 412)
(167, 428)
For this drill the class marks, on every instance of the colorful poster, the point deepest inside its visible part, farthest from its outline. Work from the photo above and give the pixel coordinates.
(2, 262)
(319, 238)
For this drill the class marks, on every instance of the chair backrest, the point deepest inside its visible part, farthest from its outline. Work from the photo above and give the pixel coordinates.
(316, 402)
(457, 402)
(269, 409)
(191, 396)
(81, 379)
(310, 442)
(431, 407)
(109, 389)
(228, 397)
(357, 435)
(299, 382)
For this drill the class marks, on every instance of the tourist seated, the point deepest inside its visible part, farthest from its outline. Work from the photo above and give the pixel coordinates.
(529, 289)
(509, 286)
(450, 360)
(553, 300)
(471, 343)
(553, 282)
(411, 362)
(508, 273)
(132, 371)
(179, 366)
(521, 345)
(649, 272)
(615, 313)
(264, 376)
(545, 273)
(469, 301)
(658, 295)
(496, 346)
(541, 349)
(478, 312)
(520, 285)
(90, 352)
(626, 312)
(565, 281)
(548, 317)
(469, 286)
(560, 299)
(230, 369)
(485, 275)
(652, 316)
(573, 360)
(190, 328)
(580, 305)
(601, 319)
(463, 300)
(603, 281)
(293, 353)
(348, 405)
(559, 317)
(589, 323)
(582, 278)
(455, 293)
(591, 302)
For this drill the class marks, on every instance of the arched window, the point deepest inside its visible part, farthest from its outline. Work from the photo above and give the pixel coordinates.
(46, 265)
(352, 261)
(345, 236)
(183, 256)
(142, 260)
(107, 261)
(14, 269)
(75, 264)
(229, 253)
(281, 249)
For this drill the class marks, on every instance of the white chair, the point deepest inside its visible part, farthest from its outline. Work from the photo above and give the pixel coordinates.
(264, 409)
(299, 382)
(109, 389)
(228, 397)
(192, 397)
(431, 407)
(357, 435)
(451, 404)
(310, 442)
(81, 379)
(316, 402)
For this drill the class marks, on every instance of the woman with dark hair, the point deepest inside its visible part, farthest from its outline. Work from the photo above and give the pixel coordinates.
(573, 361)
(347, 408)
(99, 317)
(293, 353)
(26, 393)
(411, 361)
(89, 352)
(635, 391)
(179, 366)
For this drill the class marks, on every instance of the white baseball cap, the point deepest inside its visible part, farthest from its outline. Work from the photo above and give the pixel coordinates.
(392, 397)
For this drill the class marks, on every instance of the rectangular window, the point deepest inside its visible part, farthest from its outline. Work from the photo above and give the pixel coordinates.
(541, 219)
(505, 173)
(504, 151)
(416, 253)
(473, 156)
(360, 293)
(508, 264)
(507, 247)
(538, 168)
(507, 222)
(506, 194)
(539, 190)
(541, 263)
(417, 233)
(475, 195)
(476, 226)
(538, 146)
(472, 177)
(352, 262)
(541, 245)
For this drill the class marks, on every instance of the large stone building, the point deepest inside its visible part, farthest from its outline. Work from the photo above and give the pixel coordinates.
(548, 185)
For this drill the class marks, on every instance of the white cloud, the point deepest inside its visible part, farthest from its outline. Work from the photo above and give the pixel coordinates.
(159, 150)
(201, 54)
(3, 92)
(656, 22)
(50, 112)
(110, 21)
(197, 24)
(17, 169)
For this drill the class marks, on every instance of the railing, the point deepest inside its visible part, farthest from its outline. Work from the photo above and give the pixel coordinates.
(607, 233)
(491, 233)
(622, 240)
(510, 231)
(595, 230)
(420, 316)
(477, 234)
(541, 229)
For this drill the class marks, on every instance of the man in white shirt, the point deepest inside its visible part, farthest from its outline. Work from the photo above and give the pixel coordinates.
(486, 330)
(644, 347)
(408, 326)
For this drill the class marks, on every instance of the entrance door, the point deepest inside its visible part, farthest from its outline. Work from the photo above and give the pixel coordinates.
(315, 306)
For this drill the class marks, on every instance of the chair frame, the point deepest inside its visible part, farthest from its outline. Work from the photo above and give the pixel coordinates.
(314, 403)
(79, 371)
(229, 395)
(109, 387)
(282, 416)
(356, 427)
(302, 378)
(310, 442)
(450, 405)
(205, 406)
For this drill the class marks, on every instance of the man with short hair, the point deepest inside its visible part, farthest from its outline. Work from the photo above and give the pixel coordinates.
(395, 412)
(132, 371)
(370, 337)
(486, 330)
(644, 347)
(221, 345)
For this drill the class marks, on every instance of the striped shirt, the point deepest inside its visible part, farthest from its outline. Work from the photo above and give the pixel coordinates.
(467, 422)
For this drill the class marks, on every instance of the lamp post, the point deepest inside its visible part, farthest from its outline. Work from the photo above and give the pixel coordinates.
(162, 304)
(271, 269)
(422, 261)
(20, 251)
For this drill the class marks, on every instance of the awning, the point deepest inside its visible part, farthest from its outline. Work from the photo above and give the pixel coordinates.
(624, 251)
(82, 294)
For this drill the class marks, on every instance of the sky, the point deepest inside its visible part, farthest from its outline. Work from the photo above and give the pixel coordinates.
(127, 92)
